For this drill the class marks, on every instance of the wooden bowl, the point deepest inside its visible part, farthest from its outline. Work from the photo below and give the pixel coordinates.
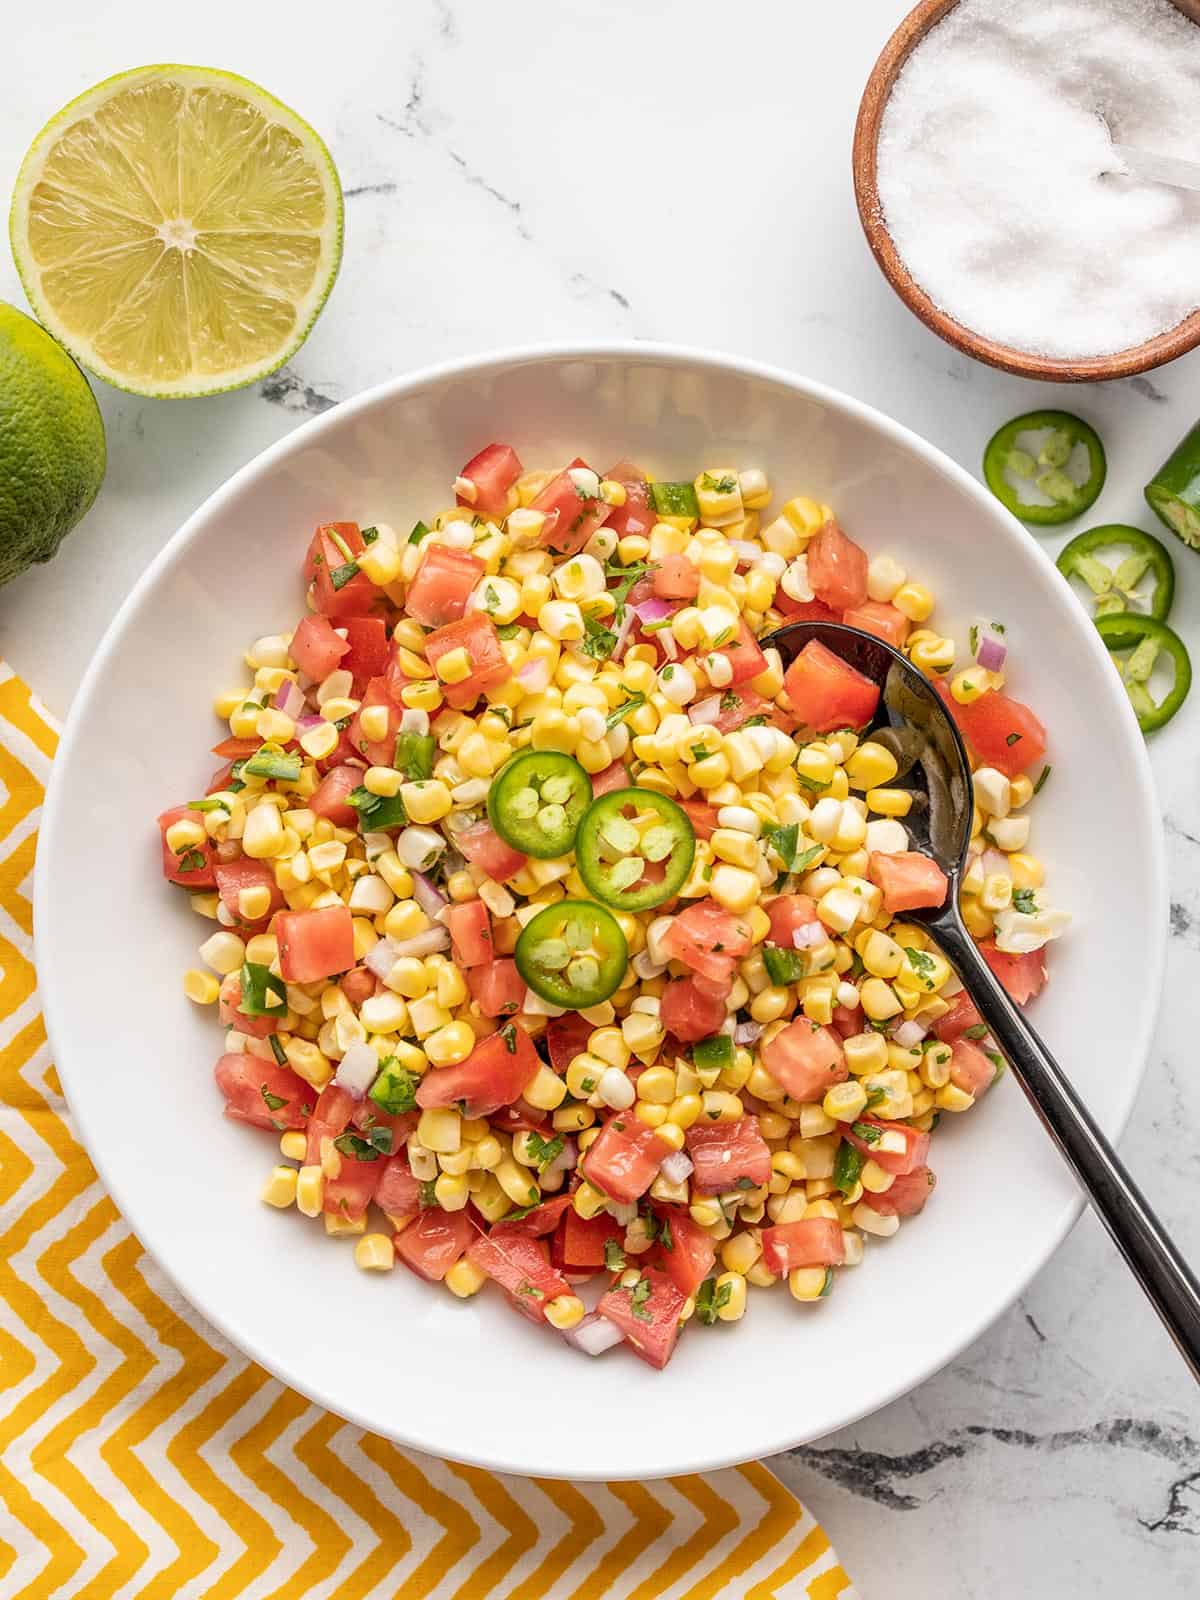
(1154, 352)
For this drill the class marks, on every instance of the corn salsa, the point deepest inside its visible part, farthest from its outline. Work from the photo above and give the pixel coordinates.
(559, 934)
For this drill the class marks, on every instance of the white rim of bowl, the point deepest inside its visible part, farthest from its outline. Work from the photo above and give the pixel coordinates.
(777, 1437)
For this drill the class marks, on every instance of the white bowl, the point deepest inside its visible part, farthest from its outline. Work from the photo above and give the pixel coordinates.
(468, 1379)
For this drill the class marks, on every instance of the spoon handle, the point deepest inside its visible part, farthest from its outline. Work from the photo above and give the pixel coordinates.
(1158, 1266)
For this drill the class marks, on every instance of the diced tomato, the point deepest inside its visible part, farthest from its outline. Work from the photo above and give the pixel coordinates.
(482, 845)
(566, 1037)
(837, 568)
(579, 1243)
(369, 652)
(908, 879)
(234, 876)
(470, 933)
(1023, 976)
(689, 1013)
(247, 1081)
(624, 1161)
(691, 1255)
(334, 1109)
(376, 752)
(702, 817)
(651, 1323)
(804, 610)
(570, 519)
(737, 706)
(847, 1021)
(520, 1117)
(723, 1153)
(788, 913)
(331, 796)
(368, 1116)
(495, 1074)
(612, 777)
(537, 1223)
(236, 749)
(814, 1242)
(827, 692)
(442, 586)
(199, 873)
(916, 1145)
(314, 944)
(336, 592)
(498, 989)
(493, 472)
(351, 1192)
(708, 939)
(476, 634)
(745, 658)
(961, 1016)
(906, 1196)
(971, 1070)
(434, 1241)
(676, 578)
(398, 1193)
(806, 1060)
(220, 778)
(1002, 732)
(883, 620)
(316, 648)
(229, 1015)
(637, 515)
(521, 1266)
(358, 985)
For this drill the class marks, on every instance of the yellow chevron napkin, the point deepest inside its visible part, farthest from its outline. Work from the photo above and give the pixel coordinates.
(143, 1456)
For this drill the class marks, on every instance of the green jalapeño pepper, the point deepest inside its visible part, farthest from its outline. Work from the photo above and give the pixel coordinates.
(572, 954)
(1145, 638)
(1173, 493)
(536, 801)
(634, 849)
(1066, 496)
(1115, 585)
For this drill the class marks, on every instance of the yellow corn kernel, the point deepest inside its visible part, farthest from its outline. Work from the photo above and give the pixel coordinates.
(871, 766)
(951, 1098)
(572, 1119)
(739, 1253)
(889, 802)
(564, 1311)
(875, 1180)
(733, 887)
(845, 1101)
(879, 1000)
(967, 686)
(978, 921)
(1020, 791)
(280, 1188)
(375, 1252)
(657, 1085)
(588, 1201)
(465, 1279)
(517, 1182)
(453, 667)
(730, 1297)
(653, 1116)
(310, 1191)
(547, 1091)
(440, 1129)
(865, 1053)
(1026, 871)
(809, 1283)
(200, 987)
(932, 654)
(914, 601)
(423, 695)
(737, 848)
(720, 1106)
(342, 1226)
(451, 1191)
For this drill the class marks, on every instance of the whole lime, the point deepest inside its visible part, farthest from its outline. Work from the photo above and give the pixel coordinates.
(52, 451)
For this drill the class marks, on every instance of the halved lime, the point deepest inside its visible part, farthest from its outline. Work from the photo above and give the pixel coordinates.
(178, 229)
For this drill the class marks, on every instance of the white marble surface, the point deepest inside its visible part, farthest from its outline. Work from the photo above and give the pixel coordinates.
(679, 169)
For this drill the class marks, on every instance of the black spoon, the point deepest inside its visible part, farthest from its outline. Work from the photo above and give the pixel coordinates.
(914, 724)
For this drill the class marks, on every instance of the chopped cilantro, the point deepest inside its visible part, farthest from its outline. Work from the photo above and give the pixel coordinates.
(624, 709)
(429, 1193)
(369, 535)
(977, 1032)
(418, 533)
(973, 638)
(875, 1097)
(1013, 738)
(1042, 776)
(813, 785)
(867, 1132)
(614, 1256)
(274, 1101)
(508, 630)
(191, 861)
(722, 485)
(710, 1300)
(847, 1166)
(277, 1049)
(920, 962)
(509, 1034)
(341, 576)
(642, 1290)
(544, 1151)
(363, 1149)
(534, 1294)
(598, 642)
(1025, 901)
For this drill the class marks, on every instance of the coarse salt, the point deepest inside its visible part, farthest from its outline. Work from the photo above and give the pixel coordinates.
(1000, 186)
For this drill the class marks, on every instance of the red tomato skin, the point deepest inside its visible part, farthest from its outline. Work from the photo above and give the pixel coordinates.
(369, 651)
(539, 1222)
(988, 723)
(228, 1001)
(434, 1241)
(898, 1162)
(624, 1161)
(579, 1243)
(737, 706)
(470, 933)
(653, 1330)
(476, 634)
(1024, 977)
(725, 1152)
(692, 1253)
(358, 597)
(837, 568)
(787, 914)
(702, 817)
(234, 876)
(906, 1196)
(482, 845)
(398, 1193)
(570, 521)
(331, 1116)
(806, 1060)
(637, 515)
(495, 1074)
(521, 1266)
(708, 939)
(316, 648)
(493, 471)
(314, 944)
(498, 989)
(961, 1016)
(880, 619)
(688, 1012)
(376, 752)
(909, 880)
(351, 1192)
(970, 1069)
(804, 610)
(220, 778)
(232, 750)
(242, 1079)
(826, 692)
(195, 877)
(744, 656)
(813, 1242)
(442, 585)
(329, 799)
(567, 1037)
(847, 1021)
(676, 578)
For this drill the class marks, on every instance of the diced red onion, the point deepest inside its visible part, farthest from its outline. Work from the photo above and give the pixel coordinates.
(594, 1335)
(706, 710)
(993, 862)
(423, 944)
(623, 628)
(564, 1161)
(652, 610)
(534, 676)
(808, 936)
(747, 1032)
(667, 643)
(308, 722)
(747, 553)
(677, 1168)
(381, 957)
(427, 895)
(357, 1070)
(289, 698)
(909, 1034)
(991, 652)
(622, 1211)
